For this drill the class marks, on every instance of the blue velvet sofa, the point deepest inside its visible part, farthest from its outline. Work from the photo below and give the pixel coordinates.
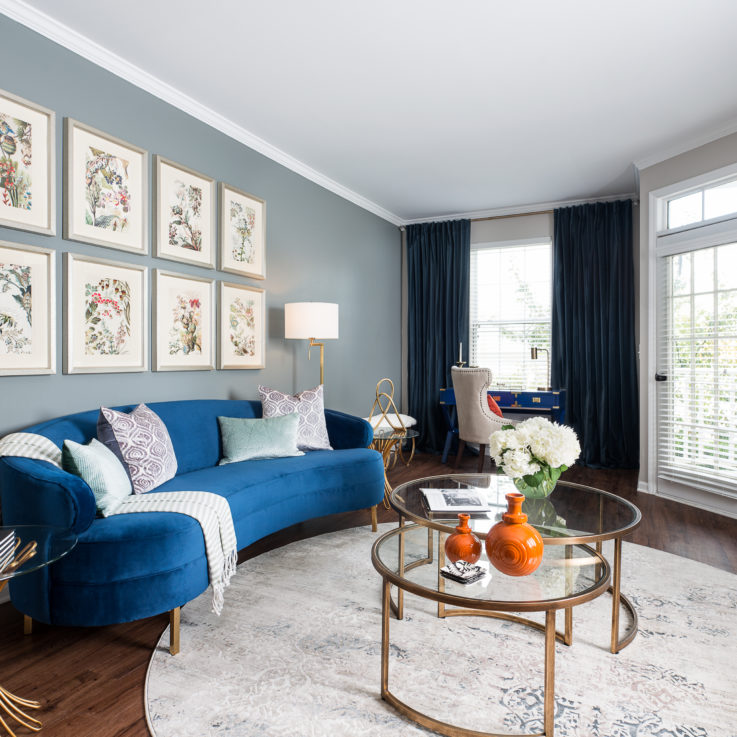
(131, 566)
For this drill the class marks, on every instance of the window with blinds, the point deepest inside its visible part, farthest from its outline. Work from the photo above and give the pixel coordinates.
(510, 311)
(697, 368)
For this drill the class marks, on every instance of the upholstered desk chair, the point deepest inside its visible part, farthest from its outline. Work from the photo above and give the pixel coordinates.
(476, 422)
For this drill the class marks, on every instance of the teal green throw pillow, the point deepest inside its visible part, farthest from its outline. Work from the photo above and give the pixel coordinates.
(246, 438)
(101, 469)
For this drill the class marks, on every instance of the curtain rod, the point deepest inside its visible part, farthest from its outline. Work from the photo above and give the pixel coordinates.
(513, 215)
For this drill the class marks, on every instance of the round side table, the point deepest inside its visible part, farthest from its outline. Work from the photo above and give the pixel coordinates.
(32, 547)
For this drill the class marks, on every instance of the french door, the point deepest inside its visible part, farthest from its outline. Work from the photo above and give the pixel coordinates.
(696, 367)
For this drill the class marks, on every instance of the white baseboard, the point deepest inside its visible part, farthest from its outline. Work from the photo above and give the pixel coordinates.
(692, 497)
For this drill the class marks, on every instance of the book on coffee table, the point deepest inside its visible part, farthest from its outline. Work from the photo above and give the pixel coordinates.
(455, 500)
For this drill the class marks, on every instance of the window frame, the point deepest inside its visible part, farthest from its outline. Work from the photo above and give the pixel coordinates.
(690, 186)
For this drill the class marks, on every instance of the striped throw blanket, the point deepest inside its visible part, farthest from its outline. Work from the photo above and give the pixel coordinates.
(212, 511)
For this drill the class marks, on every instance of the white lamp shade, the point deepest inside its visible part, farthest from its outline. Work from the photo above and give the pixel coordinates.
(304, 320)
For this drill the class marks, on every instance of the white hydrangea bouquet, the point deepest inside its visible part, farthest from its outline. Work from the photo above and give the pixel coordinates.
(534, 453)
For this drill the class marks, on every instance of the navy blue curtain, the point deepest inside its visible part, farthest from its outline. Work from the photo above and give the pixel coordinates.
(438, 274)
(594, 354)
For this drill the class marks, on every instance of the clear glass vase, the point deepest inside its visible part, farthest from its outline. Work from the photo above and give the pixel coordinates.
(541, 491)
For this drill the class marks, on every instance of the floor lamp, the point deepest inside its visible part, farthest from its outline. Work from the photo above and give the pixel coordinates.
(311, 320)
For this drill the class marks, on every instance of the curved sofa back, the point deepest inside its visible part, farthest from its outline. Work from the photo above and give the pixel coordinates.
(192, 425)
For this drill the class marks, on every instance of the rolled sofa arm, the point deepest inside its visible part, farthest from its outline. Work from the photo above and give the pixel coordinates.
(34, 492)
(347, 431)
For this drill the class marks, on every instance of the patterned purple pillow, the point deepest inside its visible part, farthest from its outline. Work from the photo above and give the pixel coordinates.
(312, 434)
(140, 439)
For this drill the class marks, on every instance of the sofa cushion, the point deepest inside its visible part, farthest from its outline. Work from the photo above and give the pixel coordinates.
(249, 438)
(313, 433)
(143, 442)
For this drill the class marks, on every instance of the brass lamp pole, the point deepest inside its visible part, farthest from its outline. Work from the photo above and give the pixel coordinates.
(314, 344)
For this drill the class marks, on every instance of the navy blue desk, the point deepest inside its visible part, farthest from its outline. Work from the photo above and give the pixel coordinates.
(543, 403)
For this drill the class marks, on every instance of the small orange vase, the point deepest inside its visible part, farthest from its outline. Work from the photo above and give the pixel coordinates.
(513, 546)
(463, 544)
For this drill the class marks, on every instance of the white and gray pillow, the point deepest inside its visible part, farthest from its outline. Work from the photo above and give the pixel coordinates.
(141, 441)
(103, 472)
(312, 433)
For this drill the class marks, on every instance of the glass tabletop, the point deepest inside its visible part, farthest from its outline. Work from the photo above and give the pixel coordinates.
(52, 543)
(572, 512)
(568, 575)
(389, 433)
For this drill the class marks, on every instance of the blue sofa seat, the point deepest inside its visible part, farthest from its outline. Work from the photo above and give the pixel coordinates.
(131, 566)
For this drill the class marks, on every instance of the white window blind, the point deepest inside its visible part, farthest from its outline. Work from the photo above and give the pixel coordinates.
(697, 365)
(510, 311)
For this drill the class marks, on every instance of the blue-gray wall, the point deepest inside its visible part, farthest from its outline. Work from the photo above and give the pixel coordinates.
(319, 247)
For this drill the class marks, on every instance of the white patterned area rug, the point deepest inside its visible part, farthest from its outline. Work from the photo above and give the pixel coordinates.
(296, 653)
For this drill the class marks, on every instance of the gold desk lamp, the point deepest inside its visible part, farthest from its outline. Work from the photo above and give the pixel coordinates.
(534, 356)
(311, 320)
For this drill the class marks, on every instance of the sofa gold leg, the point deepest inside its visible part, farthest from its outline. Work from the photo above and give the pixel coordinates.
(374, 520)
(174, 616)
(27, 625)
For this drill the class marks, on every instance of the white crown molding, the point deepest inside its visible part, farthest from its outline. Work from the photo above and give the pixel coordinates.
(520, 209)
(52, 29)
(688, 144)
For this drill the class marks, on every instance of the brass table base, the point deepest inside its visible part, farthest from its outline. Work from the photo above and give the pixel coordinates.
(451, 730)
(10, 704)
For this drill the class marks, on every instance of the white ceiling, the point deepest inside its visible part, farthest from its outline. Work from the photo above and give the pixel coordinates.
(430, 107)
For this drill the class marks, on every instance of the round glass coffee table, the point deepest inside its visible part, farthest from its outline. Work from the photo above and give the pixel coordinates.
(51, 543)
(573, 513)
(569, 575)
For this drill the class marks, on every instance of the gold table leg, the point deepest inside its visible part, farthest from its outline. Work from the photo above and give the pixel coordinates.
(549, 693)
(374, 518)
(10, 703)
(616, 579)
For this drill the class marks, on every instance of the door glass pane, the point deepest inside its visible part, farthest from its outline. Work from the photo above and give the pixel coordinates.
(721, 200)
(684, 210)
(697, 405)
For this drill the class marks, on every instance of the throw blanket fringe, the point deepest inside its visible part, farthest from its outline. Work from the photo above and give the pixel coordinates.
(212, 511)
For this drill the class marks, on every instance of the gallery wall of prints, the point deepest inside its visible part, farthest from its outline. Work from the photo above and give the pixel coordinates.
(192, 322)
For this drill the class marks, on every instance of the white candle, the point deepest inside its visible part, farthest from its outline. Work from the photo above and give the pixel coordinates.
(460, 353)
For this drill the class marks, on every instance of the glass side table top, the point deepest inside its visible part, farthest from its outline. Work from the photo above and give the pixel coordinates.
(568, 575)
(572, 512)
(52, 543)
(388, 433)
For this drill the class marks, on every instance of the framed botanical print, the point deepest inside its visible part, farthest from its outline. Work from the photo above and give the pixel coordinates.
(106, 190)
(241, 342)
(184, 322)
(105, 316)
(27, 310)
(27, 165)
(184, 215)
(242, 233)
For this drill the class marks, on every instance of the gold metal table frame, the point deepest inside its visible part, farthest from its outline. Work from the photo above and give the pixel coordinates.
(464, 606)
(619, 600)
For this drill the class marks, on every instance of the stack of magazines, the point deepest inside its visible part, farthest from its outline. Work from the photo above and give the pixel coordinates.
(8, 545)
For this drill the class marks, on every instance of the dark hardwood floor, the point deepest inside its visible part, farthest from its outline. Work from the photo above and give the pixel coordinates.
(90, 681)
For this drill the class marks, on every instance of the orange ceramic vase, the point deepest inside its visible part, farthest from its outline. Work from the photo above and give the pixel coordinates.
(513, 546)
(463, 544)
